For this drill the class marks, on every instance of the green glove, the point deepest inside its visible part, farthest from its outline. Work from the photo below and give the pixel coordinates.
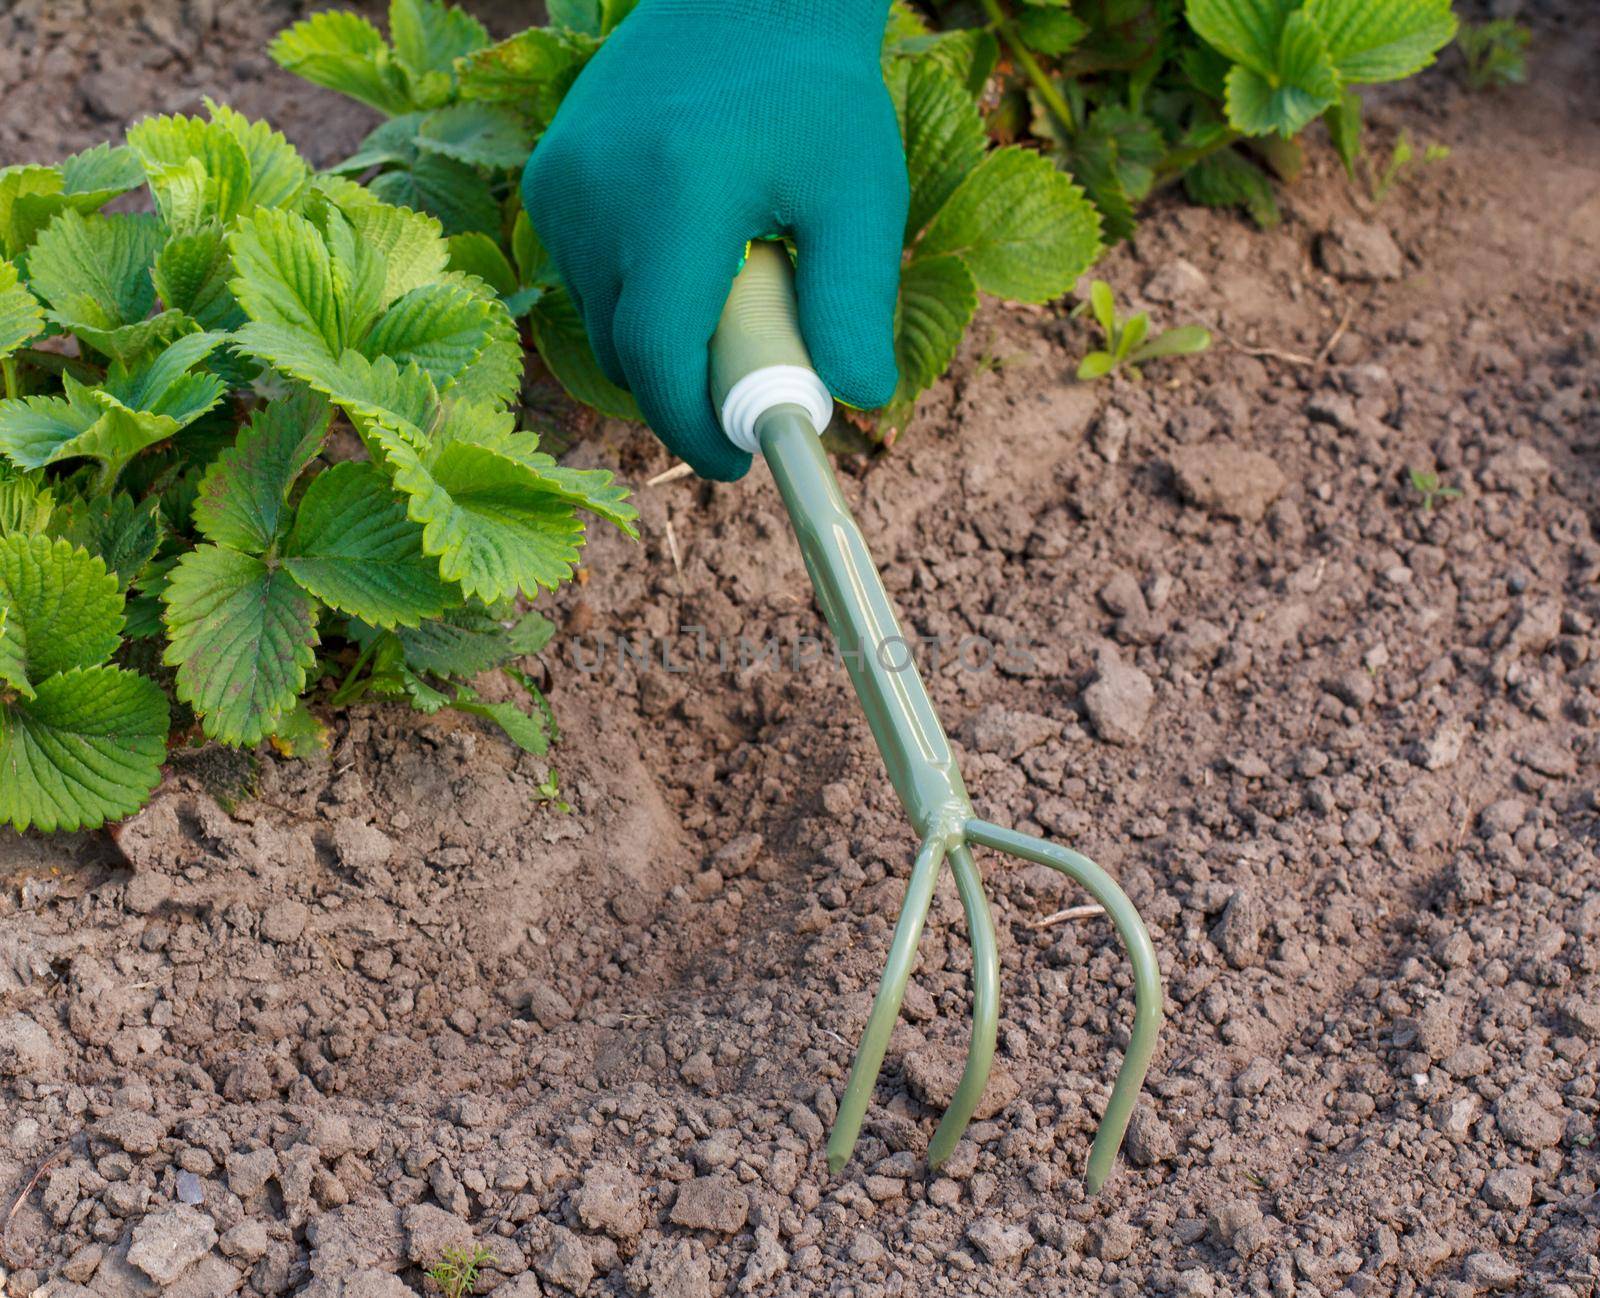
(702, 124)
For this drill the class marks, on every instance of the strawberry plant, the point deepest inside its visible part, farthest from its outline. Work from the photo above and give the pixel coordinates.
(1133, 95)
(258, 437)
(462, 116)
(1002, 221)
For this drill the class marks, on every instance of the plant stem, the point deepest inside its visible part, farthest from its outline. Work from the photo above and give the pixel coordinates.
(13, 380)
(1180, 160)
(347, 693)
(1048, 91)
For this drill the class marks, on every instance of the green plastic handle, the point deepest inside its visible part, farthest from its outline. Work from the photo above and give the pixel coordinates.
(760, 324)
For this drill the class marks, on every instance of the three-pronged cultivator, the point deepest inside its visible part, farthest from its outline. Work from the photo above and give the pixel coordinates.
(773, 403)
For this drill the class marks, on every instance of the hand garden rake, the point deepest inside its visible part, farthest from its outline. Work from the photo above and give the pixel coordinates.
(772, 402)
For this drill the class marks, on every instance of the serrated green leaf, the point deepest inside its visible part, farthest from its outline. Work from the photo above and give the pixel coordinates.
(490, 521)
(32, 429)
(1294, 94)
(1229, 179)
(20, 220)
(1247, 31)
(1023, 228)
(937, 299)
(343, 52)
(443, 328)
(21, 317)
(135, 409)
(96, 176)
(65, 608)
(478, 134)
(122, 532)
(13, 670)
(481, 257)
(391, 143)
(191, 275)
(278, 173)
(1382, 40)
(285, 277)
(528, 732)
(463, 643)
(430, 36)
(531, 70)
(354, 548)
(162, 384)
(241, 498)
(593, 490)
(411, 245)
(563, 345)
(85, 749)
(495, 378)
(1050, 30)
(242, 636)
(93, 272)
(299, 733)
(368, 391)
(25, 504)
(458, 195)
(943, 134)
(198, 170)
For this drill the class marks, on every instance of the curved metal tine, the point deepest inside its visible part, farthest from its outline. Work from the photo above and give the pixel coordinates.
(886, 1005)
(1147, 1012)
(985, 1006)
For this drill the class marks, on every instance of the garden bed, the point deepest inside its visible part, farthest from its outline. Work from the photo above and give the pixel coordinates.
(402, 1000)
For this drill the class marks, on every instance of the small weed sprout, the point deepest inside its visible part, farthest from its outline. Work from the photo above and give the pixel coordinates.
(1401, 157)
(1127, 341)
(1496, 53)
(457, 1271)
(550, 793)
(1426, 484)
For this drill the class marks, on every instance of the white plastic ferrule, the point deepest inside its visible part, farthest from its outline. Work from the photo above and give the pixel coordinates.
(775, 385)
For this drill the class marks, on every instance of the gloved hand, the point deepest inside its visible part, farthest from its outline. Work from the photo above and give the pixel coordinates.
(702, 124)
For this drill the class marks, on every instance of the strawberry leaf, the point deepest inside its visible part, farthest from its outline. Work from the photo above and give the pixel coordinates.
(94, 274)
(430, 36)
(1299, 88)
(492, 523)
(65, 610)
(353, 547)
(343, 52)
(242, 495)
(943, 133)
(121, 531)
(21, 319)
(937, 299)
(86, 748)
(479, 135)
(242, 636)
(1382, 40)
(1022, 227)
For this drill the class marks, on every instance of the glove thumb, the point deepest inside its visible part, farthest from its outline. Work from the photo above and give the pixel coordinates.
(847, 277)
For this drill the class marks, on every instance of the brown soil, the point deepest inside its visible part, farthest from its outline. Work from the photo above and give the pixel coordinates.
(398, 1001)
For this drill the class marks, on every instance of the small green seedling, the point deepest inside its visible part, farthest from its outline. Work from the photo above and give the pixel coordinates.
(550, 792)
(1426, 484)
(1402, 156)
(1127, 341)
(1496, 53)
(457, 1272)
